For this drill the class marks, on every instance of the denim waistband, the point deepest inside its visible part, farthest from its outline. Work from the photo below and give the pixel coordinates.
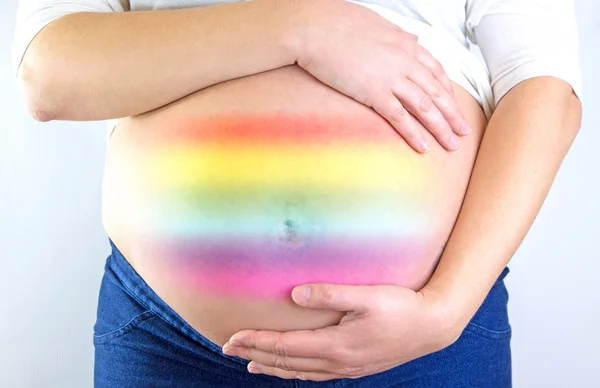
(144, 295)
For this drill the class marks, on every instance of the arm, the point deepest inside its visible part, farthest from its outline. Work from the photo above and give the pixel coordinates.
(90, 60)
(525, 142)
(104, 65)
(532, 51)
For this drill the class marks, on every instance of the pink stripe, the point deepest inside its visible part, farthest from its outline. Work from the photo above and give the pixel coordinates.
(278, 283)
(255, 270)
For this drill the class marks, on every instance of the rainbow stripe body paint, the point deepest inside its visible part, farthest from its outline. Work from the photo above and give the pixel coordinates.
(250, 206)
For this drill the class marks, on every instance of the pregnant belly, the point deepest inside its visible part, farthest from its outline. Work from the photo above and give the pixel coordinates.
(225, 200)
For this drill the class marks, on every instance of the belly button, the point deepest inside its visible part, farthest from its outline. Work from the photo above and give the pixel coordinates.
(295, 224)
(290, 233)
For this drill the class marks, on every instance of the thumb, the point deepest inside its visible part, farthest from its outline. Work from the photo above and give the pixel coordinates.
(333, 297)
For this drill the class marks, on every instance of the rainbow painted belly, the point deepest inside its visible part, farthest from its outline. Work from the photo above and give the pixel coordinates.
(252, 205)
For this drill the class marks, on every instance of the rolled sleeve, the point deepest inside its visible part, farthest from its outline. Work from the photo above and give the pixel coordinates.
(33, 15)
(522, 39)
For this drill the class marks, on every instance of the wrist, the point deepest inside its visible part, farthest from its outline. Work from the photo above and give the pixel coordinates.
(447, 314)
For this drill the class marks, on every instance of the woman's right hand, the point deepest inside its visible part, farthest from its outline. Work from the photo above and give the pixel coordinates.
(363, 55)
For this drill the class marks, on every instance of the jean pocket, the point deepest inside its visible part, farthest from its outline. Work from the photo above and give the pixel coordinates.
(118, 312)
(486, 332)
(491, 319)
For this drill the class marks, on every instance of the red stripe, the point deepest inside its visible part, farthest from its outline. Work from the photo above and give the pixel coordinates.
(274, 128)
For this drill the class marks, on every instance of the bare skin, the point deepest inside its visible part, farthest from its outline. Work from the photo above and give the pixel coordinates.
(287, 89)
(98, 66)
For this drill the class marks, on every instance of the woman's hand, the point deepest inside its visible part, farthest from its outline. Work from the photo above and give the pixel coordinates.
(361, 54)
(384, 326)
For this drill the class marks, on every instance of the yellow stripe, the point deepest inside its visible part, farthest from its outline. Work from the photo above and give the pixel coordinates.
(320, 166)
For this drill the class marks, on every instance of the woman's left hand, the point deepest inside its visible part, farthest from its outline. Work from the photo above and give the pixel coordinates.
(384, 326)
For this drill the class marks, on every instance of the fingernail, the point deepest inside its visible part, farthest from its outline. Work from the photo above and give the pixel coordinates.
(453, 141)
(234, 343)
(466, 128)
(252, 368)
(424, 146)
(301, 294)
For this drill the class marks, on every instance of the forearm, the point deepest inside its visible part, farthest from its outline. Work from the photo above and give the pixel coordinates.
(525, 142)
(97, 66)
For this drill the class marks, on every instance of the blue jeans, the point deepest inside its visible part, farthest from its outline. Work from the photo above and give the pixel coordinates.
(141, 342)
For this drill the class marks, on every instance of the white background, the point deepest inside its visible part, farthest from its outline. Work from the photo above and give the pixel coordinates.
(54, 247)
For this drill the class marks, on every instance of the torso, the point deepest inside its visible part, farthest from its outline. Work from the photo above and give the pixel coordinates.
(225, 199)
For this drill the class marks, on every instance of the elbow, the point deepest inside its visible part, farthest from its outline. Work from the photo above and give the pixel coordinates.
(39, 115)
(38, 112)
(37, 96)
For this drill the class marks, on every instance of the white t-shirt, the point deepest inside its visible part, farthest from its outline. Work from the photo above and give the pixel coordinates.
(518, 39)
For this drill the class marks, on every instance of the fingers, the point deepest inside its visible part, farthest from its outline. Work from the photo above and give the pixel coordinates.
(423, 108)
(334, 297)
(444, 102)
(299, 364)
(407, 126)
(435, 68)
(298, 343)
(284, 374)
(304, 354)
